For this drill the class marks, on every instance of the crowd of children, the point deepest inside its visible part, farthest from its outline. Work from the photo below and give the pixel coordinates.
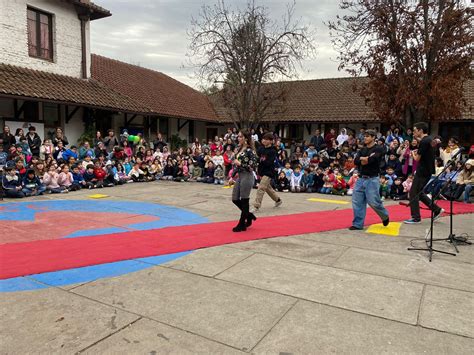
(323, 165)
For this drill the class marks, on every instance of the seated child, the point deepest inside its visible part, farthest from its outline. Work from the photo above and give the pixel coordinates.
(307, 180)
(32, 185)
(66, 180)
(318, 181)
(219, 175)
(208, 176)
(11, 183)
(295, 179)
(352, 182)
(384, 188)
(50, 180)
(397, 190)
(78, 179)
(99, 173)
(136, 174)
(329, 179)
(339, 186)
(282, 184)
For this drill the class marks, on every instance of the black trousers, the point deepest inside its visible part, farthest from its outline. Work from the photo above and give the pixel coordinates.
(419, 183)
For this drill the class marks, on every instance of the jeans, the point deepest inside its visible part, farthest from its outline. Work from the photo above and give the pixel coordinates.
(416, 195)
(366, 191)
(467, 192)
(30, 192)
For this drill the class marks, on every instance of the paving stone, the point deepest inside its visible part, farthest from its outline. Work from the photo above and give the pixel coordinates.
(54, 321)
(235, 315)
(150, 337)
(448, 310)
(295, 248)
(310, 328)
(410, 267)
(384, 297)
(209, 261)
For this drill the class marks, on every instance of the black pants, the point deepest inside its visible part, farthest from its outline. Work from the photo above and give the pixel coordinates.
(419, 183)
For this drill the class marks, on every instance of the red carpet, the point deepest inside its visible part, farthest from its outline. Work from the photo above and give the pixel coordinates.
(20, 259)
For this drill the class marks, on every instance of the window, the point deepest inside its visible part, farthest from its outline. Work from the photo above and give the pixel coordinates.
(40, 34)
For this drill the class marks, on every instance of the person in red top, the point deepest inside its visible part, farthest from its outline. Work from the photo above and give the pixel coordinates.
(228, 157)
(99, 174)
(330, 137)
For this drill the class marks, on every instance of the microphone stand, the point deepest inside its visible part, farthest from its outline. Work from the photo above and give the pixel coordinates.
(452, 237)
(429, 247)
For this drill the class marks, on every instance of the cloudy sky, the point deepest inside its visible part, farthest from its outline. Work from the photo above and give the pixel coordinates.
(152, 33)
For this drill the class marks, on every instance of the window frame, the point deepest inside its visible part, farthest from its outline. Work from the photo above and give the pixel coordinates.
(37, 43)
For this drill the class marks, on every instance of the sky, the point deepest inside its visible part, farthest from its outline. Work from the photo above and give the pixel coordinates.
(153, 33)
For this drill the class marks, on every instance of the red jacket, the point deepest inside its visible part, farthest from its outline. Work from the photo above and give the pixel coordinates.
(99, 173)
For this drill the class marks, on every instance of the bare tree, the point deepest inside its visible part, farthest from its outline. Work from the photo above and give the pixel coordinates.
(416, 54)
(243, 51)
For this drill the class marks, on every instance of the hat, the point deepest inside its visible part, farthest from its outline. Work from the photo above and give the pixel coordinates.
(370, 132)
(470, 162)
(109, 162)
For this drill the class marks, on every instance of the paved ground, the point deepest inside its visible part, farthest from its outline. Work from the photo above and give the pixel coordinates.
(334, 292)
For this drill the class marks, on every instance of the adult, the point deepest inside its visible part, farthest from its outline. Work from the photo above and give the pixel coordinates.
(450, 151)
(110, 141)
(317, 140)
(425, 157)
(19, 133)
(330, 137)
(342, 137)
(159, 142)
(267, 154)
(85, 149)
(244, 164)
(98, 138)
(59, 137)
(404, 151)
(367, 187)
(34, 141)
(7, 138)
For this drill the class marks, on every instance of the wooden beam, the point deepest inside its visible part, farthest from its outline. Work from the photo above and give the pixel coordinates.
(308, 127)
(18, 111)
(127, 122)
(181, 126)
(70, 115)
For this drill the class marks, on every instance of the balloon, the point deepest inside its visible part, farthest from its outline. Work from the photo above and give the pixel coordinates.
(130, 138)
(136, 139)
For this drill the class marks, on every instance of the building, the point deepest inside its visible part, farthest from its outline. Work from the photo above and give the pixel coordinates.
(49, 79)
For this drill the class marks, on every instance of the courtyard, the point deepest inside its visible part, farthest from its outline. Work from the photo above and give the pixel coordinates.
(336, 291)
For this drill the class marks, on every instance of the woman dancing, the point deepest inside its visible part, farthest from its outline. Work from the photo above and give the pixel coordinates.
(244, 163)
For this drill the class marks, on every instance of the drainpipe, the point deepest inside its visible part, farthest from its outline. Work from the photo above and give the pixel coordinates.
(84, 19)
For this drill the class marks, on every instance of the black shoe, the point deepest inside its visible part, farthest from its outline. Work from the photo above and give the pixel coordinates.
(352, 228)
(250, 218)
(239, 228)
(386, 222)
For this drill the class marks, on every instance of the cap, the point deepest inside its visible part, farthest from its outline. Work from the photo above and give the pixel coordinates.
(370, 132)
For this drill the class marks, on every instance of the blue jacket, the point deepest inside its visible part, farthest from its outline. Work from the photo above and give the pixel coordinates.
(78, 178)
(10, 183)
(69, 153)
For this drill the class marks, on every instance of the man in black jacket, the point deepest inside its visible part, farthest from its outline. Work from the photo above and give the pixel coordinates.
(34, 141)
(317, 140)
(267, 154)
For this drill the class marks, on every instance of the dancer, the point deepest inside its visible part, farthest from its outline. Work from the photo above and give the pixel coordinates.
(366, 189)
(425, 157)
(244, 163)
(267, 155)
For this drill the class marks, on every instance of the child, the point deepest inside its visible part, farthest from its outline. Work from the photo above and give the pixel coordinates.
(99, 173)
(318, 181)
(329, 179)
(339, 187)
(156, 169)
(32, 185)
(287, 170)
(66, 180)
(407, 184)
(283, 185)
(352, 181)
(136, 174)
(89, 177)
(87, 160)
(219, 175)
(295, 179)
(11, 183)
(384, 187)
(307, 180)
(78, 179)
(110, 178)
(122, 176)
(390, 175)
(395, 164)
(3, 156)
(208, 176)
(397, 190)
(50, 180)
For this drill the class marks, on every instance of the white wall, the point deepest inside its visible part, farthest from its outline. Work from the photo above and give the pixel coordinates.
(66, 36)
(74, 128)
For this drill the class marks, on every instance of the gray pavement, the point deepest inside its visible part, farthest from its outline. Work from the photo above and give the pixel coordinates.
(333, 292)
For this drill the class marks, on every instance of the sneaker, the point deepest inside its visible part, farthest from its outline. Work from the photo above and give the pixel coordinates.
(412, 221)
(353, 228)
(278, 203)
(254, 210)
(438, 215)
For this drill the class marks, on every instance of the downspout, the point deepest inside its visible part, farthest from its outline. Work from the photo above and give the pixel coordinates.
(83, 19)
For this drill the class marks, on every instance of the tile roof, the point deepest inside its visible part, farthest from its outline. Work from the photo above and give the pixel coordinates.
(330, 100)
(160, 93)
(28, 83)
(95, 11)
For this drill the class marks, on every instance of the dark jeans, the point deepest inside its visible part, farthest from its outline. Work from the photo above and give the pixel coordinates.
(416, 196)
